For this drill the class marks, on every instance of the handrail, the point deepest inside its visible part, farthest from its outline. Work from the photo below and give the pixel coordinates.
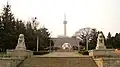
(21, 62)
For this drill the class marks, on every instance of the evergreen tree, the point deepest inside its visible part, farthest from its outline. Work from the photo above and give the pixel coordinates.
(31, 37)
(116, 43)
(109, 36)
(10, 28)
(109, 41)
(93, 41)
(8, 21)
(44, 38)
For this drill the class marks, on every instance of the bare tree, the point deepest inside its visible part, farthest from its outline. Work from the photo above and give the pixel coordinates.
(34, 23)
(85, 35)
(85, 32)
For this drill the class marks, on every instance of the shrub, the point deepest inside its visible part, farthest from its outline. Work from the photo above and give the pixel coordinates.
(84, 52)
(56, 48)
(40, 52)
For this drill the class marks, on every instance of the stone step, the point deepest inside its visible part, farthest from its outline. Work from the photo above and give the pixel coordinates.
(59, 62)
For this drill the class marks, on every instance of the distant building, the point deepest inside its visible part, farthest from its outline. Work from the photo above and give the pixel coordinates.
(58, 42)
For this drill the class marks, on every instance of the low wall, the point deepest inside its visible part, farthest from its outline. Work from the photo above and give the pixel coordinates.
(107, 52)
(19, 53)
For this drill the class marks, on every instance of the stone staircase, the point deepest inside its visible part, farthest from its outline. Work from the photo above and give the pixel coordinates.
(59, 62)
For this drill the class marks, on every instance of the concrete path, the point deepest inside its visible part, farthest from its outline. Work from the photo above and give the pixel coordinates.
(62, 54)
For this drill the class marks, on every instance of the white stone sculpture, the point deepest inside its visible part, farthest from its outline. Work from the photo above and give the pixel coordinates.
(66, 46)
(21, 43)
(100, 41)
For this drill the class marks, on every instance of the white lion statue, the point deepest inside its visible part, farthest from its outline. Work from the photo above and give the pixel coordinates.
(100, 41)
(21, 43)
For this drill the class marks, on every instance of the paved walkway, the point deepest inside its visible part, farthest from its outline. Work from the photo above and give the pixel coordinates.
(62, 54)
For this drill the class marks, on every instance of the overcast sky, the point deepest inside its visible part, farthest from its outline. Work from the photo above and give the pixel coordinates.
(101, 14)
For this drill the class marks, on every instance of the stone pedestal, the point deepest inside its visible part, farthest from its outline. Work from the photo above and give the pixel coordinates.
(20, 53)
(106, 52)
(100, 46)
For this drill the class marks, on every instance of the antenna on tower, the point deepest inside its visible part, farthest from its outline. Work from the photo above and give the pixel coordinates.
(7, 2)
(64, 17)
(65, 22)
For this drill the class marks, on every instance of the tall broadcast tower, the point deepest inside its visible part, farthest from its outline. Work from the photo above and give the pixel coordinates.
(65, 23)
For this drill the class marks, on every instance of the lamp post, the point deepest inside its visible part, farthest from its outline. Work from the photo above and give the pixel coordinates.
(34, 20)
(78, 46)
(78, 43)
(87, 43)
(37, 43)
(50, 42)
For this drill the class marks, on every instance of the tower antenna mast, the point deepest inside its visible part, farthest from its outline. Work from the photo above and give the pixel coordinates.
(65, 23)
(64, 17)
(7, 2)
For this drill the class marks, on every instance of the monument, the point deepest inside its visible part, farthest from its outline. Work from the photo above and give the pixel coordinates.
(101, 48)
(20, 49)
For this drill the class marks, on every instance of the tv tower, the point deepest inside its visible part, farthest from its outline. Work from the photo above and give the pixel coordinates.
(65, 23)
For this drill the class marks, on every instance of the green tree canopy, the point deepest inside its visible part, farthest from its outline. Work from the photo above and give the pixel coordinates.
(109, 41)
